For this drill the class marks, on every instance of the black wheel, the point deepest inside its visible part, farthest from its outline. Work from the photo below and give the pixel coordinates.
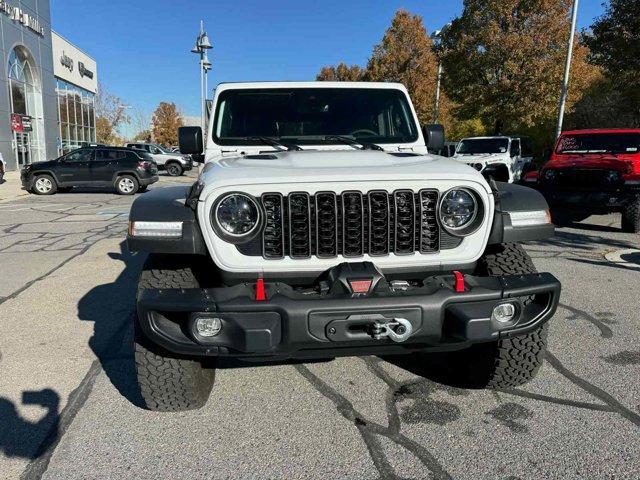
(169, 382)
(127, 185)
(174, 169)
(509, 362)
(631, 216)
(44, 185)
(143, 188)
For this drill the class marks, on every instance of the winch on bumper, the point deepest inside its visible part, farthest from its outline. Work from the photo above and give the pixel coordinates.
(354, 310)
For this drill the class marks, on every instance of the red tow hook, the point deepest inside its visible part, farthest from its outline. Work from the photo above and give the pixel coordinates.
(261, 295)
(459, 285)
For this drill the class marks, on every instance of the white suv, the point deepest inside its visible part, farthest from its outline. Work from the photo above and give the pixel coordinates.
(503, 158)
(321, 226)
(174, 163)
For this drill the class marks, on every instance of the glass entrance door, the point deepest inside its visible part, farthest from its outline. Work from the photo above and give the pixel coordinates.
(23, 148)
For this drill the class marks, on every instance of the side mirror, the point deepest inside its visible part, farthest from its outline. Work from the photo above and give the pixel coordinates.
(190, 140)
(434, 137)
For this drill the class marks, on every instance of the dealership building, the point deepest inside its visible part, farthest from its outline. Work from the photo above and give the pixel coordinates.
(47, 96)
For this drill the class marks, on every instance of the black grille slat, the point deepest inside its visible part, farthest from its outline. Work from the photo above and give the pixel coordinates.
(378, 223)
(273, 234)
(351, 224)
(429, 229)
(299, 225)
(326, 224)
(405, 233)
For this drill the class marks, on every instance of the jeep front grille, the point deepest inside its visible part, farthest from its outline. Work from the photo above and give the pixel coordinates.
(350, 224)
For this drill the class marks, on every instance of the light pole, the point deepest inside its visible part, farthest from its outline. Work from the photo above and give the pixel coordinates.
(437, 43)
(567, 68)
(202, 45)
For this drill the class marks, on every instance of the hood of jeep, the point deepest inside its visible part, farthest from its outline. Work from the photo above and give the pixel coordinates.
(330, 166)
(483, 158)
(622, 163)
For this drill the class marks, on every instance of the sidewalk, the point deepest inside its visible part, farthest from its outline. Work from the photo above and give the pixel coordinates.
(11, 188)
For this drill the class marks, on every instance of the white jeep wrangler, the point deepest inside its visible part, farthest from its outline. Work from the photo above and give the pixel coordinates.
(321, 227)
(503, 158)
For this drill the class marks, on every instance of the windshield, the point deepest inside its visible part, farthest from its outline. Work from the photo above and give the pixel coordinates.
(599, 143)
(308, 115)
(161, 148)
(483, 145)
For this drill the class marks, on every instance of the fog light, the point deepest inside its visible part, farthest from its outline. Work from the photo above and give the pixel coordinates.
(504, 313)
(208, 327)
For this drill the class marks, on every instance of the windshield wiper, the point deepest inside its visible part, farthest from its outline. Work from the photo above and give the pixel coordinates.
(353, 142)
(276, 143)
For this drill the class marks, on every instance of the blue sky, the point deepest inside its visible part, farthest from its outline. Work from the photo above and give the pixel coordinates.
(142, 46)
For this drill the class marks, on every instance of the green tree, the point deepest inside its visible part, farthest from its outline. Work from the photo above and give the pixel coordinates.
(503, 64)
(165, 123)
(341, 73)
(614, 41)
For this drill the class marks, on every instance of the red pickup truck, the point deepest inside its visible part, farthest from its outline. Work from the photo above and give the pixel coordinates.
(592, 172)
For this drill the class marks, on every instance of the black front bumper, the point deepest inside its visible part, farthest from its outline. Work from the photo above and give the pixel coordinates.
(295, 325)
(596, 200)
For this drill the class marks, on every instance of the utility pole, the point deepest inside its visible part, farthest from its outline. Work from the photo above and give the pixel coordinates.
(436, 36)
(567, 68)
(202, 45)
(436, 103)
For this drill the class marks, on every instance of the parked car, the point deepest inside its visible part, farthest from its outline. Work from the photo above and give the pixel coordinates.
(592, 172)
(503, 158)
(321, 227)
(175, 164)
(2, 168)
(127, 170)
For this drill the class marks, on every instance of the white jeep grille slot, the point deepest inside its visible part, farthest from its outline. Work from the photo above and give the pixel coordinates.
(350, 224)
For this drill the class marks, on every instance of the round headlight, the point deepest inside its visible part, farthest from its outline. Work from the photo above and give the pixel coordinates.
(458, 209)
(237, 214)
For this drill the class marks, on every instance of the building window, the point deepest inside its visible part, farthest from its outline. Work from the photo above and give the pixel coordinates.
(26, 99)
(76, 117)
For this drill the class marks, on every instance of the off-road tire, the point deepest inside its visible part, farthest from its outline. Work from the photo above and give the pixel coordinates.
(169, 382)
(44, 177)
(508, 362)
(174, 169)
(631, 216)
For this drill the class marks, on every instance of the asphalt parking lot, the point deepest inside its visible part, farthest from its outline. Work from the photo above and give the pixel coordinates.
(69, 407)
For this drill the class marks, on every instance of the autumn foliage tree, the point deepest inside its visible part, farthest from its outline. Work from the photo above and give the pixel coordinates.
(406, 55)
(341, 73)
(504, 59)
(165, 123)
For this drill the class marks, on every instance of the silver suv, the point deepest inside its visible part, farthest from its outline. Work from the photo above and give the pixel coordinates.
(174, 163)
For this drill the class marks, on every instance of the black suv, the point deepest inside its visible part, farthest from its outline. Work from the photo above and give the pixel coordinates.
(125, 169)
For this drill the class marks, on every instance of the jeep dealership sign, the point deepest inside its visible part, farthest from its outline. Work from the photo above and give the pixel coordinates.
(19, 15)
(73, 65)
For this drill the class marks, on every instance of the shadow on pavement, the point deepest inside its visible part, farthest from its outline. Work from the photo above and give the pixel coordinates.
(22, 438)
(111, 307)
(582, 241)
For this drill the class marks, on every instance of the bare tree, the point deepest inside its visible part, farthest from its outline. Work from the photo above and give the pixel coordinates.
(111, 114)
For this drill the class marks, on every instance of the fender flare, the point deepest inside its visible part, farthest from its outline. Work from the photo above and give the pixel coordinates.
(510, 197)
(166, 204)
(35, 173)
